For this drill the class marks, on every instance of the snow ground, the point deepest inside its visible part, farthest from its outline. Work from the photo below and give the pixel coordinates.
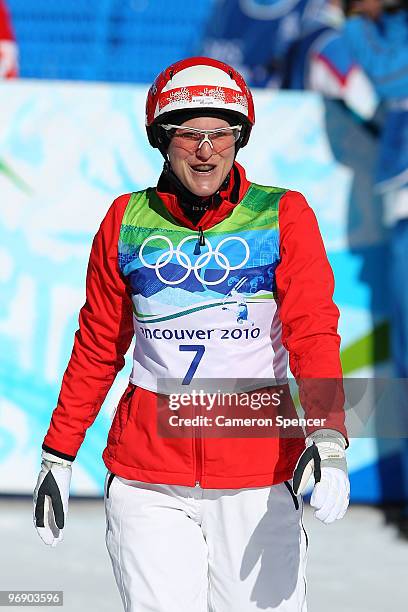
(356, 565)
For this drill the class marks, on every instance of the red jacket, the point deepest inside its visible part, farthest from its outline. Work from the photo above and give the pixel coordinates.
(134, 450)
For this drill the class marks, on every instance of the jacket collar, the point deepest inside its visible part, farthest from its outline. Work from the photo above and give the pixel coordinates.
(219, 207)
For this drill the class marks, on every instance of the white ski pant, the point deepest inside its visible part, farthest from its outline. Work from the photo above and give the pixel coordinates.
(188, 549)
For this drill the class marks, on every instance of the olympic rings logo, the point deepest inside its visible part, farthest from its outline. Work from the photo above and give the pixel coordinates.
(184, 260)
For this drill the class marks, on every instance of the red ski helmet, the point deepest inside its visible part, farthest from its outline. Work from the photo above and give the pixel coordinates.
(198, 86)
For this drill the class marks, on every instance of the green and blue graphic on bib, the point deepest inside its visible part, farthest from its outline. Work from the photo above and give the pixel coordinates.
(233, 262)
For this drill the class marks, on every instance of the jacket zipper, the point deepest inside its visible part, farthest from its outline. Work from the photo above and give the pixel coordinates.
(197, 440)
(198, 466)
(200, 241)
(198, 449)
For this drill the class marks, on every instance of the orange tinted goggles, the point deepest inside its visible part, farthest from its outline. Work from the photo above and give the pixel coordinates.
(192, 139)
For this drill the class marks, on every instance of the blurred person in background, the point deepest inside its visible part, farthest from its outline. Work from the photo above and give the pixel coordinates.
(255, 35)
(378, 41)
(363, 61)
(8, 46)
(377, 36)
(320, 60)
(188, 518)
(359, 55)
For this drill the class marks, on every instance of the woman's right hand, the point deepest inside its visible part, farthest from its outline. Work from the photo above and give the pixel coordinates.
(50, 500)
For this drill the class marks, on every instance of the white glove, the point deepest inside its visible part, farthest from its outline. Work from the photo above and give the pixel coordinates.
(325, 458)
(51, 498)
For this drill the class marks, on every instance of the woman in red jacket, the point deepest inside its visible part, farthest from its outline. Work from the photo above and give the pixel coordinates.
(217, 277)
